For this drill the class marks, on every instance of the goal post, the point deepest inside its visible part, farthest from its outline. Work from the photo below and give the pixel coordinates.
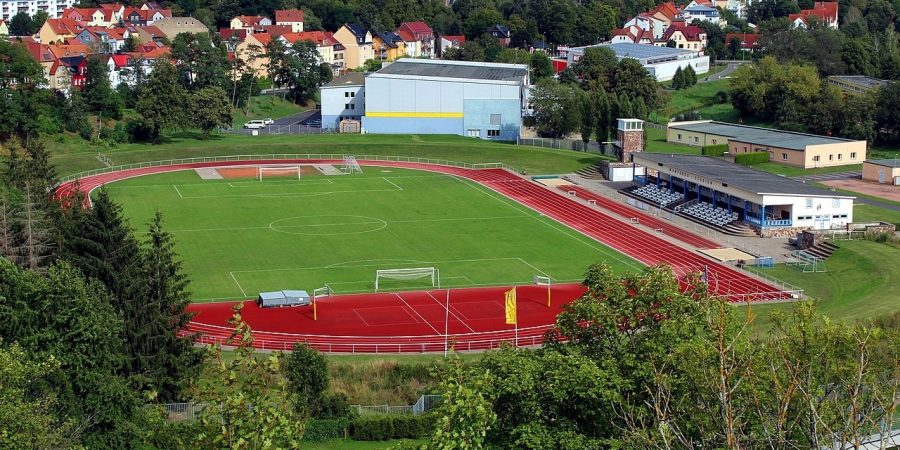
(351, 166)
(417, 273)
(542, 280)
(321, 292)
(278, 171)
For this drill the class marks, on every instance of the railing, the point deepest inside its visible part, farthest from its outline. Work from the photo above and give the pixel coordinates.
(280, 129)
(785, 286)
(425, 404)
(285, 156)
(567, 144)
(768, 222)
(183, 412)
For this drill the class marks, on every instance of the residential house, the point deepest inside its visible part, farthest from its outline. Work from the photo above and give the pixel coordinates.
(232, 37)
(388, 46)
(665, 13)
(648, 22)
(684, 36)
(172, 26)
(57, 31)
(325, 43)
(454, 41)
(827, 12)
(90, 16)
(290, 17)
(115, 65)
(149, 33)
(357, 42)
(77, 68)
(421, 32)
(253, 24)
(501, 32)
(54, 73)
(277, 30)
(633, 34)
(703, 11)
(142, 16)
(4, 29)
(103, 40)
(413, 45)
(749, 41)
(738, 7)
(253, 52)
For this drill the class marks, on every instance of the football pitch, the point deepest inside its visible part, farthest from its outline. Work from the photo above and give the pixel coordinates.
(241, 236)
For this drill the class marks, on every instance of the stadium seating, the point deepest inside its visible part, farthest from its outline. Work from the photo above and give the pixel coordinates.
(656, 195)
(709, 213)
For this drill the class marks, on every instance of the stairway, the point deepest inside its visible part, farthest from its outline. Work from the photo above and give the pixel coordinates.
(591, 173)
(738, 228)
(823, 250)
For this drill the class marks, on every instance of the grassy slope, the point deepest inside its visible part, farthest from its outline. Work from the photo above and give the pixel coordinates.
(693, 98)
(242, 237)
(656, 143)
(71, 156)
(265, 106)
(860, 282)
(869, 213)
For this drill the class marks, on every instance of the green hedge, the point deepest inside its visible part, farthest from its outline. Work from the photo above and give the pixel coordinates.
(318, 430)
(714, 150)
(382, 428)
(749, 159)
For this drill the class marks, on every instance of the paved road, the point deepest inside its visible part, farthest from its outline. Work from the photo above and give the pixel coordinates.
(857, 174)
(298, 119)
(732, 66)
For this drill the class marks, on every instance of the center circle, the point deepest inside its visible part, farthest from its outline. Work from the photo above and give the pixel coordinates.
(329, 225)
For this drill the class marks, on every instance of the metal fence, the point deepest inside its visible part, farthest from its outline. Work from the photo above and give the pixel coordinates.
(252, 159)
(564, 144)
(183, 412)
(279, 129)
(425, 404)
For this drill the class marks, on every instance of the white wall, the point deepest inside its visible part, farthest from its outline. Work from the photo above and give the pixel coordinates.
(819, 207)
(335, 100)
(666, 71)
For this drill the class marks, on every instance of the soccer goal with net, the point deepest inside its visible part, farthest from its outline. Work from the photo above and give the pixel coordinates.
(419, 273)
(542, 280)
(278, 171)
(351, 166)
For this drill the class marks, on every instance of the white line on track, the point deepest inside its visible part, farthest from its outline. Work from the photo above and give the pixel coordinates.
(176, 190)
(238, 284)
(417, 313)
(444, 304)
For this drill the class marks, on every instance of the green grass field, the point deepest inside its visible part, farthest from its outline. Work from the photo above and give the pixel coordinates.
(239, 237)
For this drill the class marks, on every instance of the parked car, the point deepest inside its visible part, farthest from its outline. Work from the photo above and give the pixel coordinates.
(268, 121)
(255, 124)
(314, 123)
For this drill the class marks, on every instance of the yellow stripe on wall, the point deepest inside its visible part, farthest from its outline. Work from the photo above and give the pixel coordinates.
(432, 115)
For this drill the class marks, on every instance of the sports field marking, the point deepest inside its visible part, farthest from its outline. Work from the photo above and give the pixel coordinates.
(250, 184)
(417, 313)
(445, 305)
(176, 190)
(412, 320)
(535, 268)
(238, 284)
(552, 224)
(454, 219)
(392, 183)
(452, 261)
(367, 221)
(386, 261)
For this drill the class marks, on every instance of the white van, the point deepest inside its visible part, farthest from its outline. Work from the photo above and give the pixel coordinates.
(255, 124)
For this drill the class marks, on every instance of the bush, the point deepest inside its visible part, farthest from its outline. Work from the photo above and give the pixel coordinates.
(138, 130)
(721, 97)
(381, 428)
(318, 430)
(332, 406)
(116, 135)
(749, 159)
(714, 150)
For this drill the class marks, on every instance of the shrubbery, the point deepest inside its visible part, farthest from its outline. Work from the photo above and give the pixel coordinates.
(749, 159)
(318, 430)
(714, 150)
(382, 428)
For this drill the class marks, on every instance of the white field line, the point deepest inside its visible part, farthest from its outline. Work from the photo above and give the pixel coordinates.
(332, 266)
(578, 237)
(535, 268)
(447, 306)
(455, 219)
(307, 180)
(176, 190)
(417, 313)
(238, 284)
(290, 194)
(392, 183)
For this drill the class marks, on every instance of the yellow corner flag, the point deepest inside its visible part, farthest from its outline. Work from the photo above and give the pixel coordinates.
(511, 307)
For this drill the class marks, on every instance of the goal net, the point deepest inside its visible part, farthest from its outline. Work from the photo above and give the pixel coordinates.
(419, 273)
(351, 166)
(292, 171)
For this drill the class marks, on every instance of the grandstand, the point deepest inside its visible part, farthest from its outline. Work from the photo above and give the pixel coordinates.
(723, 194)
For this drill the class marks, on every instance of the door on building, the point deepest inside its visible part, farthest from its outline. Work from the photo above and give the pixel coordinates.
(880, 176)
(472, 133)
(822, 222)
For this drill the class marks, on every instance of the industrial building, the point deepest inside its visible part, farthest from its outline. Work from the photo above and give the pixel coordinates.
(723, 194)
(883, 171)
(476, 99)
(660, 62)
(856, 84)
(784, 147)
(343, 99)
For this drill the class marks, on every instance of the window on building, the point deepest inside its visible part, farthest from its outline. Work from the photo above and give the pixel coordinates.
(809, 202)
(472, 133)
(714, 142)
(816, 158)
(840, 155)
(679, 137)
(346, 94)
(784, 156)
(831, 157)
(353, 106)
(346, 106)
(835, 203)
(495, 119)
(493, 133)
(852, 155)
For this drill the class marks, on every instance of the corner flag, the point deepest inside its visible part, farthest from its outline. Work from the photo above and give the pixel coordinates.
(511, 307)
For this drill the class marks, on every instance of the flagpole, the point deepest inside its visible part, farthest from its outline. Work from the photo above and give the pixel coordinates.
(515, 293)
(446, 323)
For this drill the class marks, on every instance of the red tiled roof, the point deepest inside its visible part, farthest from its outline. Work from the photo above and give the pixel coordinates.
(152, 30)
(748, 40)
(63, 50)
(690, 32)
(825, 11)
(405, 35)
(319, 37)
(459, 39)
(40, 52)
(263, 38)
(668, 9)
(239, 33)
(416, 27)
(277, 30)
(65, 26)
(120, 60)
(288, 15)
(250, 20)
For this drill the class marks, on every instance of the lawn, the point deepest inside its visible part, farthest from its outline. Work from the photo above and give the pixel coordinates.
(73, 156)
(693, 98)
(861, 282)
(265, 106)
(792, 171)
(714, 69)
(869, 213)
(239, 237)
(656, 143)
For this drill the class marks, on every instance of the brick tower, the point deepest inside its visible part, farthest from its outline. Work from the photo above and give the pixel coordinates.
(629, 138)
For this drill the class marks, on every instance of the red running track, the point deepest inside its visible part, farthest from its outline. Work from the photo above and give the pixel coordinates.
(645, 219)
(418, 328)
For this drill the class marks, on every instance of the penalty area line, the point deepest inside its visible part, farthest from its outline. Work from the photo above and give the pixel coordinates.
(238, 284)
(176, 190)
(392, 183)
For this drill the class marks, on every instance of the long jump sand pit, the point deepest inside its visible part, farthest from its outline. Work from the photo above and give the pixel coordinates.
(885, 191)
(728, 254)
(553, 182)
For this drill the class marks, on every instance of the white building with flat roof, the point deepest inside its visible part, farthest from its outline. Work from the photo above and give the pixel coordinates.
(53, 8)
(660, 62)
